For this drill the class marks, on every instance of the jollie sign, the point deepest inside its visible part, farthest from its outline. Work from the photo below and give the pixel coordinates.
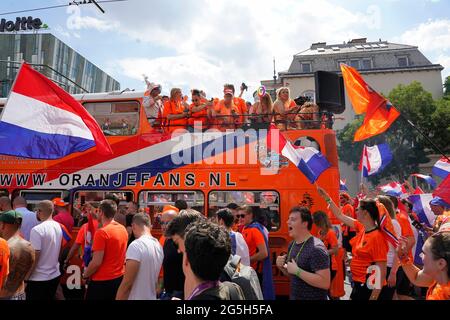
(21, 24)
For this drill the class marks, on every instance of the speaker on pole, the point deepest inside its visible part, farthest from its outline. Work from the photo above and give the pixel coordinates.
(330, 95)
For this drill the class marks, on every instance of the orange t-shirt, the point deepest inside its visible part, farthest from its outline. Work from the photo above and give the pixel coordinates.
(330, 240)
(406, 228)
(200, 116)
(4, 261)
(367, 248)
(171, 107)
(112, 240)
(253, 238)
(438, 292)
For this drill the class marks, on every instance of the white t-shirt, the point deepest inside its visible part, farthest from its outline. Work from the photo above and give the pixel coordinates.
(29, 221)
(242, 249)
(149, 253)
(391, 253)
(46, 237)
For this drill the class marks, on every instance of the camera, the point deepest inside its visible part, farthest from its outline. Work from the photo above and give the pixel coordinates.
(301, 100)
(244, 86)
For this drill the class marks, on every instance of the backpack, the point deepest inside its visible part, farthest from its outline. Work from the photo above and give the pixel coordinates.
(244, 276)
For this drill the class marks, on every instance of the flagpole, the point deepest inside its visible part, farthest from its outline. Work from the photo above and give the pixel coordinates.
(425, 136)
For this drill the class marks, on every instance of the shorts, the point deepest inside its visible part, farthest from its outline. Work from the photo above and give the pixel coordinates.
(387, 293)
(103, 290)
(403, 284)
(360, 292)
(42, 290)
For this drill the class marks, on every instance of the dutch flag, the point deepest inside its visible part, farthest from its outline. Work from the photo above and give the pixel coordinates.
(441, 168)
(393, 189)
(342, 185)
(42, 121)
(375, 159)
(428, 179)
(307, 159)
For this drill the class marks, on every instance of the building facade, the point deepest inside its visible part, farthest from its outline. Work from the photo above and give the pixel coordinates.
(383, 65)
(56, 60)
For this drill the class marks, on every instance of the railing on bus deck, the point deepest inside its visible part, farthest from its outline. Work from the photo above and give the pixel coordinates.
(323, 120)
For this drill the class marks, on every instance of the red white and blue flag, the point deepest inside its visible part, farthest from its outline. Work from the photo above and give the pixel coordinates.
(441, 168)
(428, 179)
(342, 185)
(42, 121)
(393, 189)
(421, 206)
(374, 159)
(307, 159)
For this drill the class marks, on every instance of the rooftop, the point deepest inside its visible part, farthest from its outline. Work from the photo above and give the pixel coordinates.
(354, 45)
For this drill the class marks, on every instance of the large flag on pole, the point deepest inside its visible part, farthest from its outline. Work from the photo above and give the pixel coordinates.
(374, 159)
(308, 160)
(42, 121)
(380, 113)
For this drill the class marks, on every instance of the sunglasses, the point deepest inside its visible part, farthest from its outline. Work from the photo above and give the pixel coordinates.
(239, 216)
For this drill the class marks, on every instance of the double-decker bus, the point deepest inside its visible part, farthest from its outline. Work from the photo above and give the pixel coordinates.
(206, 169)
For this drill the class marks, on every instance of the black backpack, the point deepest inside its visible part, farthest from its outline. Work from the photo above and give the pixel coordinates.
(244, 276)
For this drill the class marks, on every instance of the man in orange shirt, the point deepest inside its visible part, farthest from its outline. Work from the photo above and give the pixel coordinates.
(238, 101)
(106, 268)
(226, 112)
(403, 284)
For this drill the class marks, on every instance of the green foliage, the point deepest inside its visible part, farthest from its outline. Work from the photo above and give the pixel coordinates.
(447, 88)
(408, 147)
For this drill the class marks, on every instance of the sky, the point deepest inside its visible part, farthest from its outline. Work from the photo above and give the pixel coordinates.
(206, 43)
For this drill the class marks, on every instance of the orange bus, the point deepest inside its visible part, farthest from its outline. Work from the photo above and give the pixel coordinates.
(153, 168)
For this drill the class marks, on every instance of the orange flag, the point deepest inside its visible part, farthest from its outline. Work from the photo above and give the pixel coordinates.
(361, 95)
(380, 114)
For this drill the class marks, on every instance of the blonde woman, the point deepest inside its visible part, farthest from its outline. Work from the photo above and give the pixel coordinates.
(176, 111)
(285, 109)
(263, 110)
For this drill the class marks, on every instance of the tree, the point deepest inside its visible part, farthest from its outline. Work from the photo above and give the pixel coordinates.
(447, 88)
(408, 147)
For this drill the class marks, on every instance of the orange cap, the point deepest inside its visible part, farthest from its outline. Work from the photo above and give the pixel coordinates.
(59, 202)
(169, 207)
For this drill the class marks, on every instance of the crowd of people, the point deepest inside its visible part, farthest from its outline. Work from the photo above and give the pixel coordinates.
(169, 113)
(224, 256)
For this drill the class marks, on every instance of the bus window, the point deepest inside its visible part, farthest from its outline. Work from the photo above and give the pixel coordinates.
(268, 201)
(119, 118)
(82, 197)
(4, 193)
(33, 197)
(154, 202)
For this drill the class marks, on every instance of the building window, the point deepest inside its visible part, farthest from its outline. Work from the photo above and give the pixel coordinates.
(403, 61)
(339, 62)
(367, 64)
(354, 64)
(306, 67)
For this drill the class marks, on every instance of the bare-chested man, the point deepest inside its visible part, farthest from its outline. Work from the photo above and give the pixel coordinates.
(21, 257)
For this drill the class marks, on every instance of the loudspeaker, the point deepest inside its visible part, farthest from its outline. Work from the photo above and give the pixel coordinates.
(330, 95)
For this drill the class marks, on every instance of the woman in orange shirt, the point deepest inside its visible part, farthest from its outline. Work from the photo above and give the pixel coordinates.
(436, 260)
(285, 109)
(369, 248)
(176, 111)
(200, 111)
